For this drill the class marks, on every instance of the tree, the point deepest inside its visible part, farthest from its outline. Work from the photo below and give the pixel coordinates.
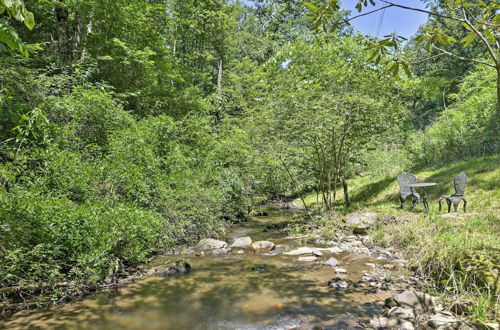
(13, 10)
(325, 108)
(480, 18)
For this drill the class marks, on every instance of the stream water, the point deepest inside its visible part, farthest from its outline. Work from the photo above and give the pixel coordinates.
(234, 291)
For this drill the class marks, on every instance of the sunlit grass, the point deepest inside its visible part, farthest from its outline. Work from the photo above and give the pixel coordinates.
(459, 253)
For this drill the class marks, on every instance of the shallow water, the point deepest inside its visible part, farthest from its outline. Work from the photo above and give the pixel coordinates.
(236, 291)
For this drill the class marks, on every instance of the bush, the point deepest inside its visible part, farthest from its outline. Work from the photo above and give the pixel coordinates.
(468, 128)
(48, 239)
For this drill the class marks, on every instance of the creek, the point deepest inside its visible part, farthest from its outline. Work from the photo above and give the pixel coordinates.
(238, 290)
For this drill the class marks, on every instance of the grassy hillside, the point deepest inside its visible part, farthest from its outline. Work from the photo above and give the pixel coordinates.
(459, 252)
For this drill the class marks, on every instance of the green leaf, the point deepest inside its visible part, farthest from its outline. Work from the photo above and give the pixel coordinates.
(468, 39)
(406, 69)
(311, 7)
(372, 56)
(394, 69)
(29, 20)
(489, 36)
(467, 26)
(496, 19)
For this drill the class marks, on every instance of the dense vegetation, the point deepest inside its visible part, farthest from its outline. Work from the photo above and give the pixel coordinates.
(136, 125)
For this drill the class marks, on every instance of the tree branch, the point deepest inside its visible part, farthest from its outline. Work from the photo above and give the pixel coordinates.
(427, 59)
(367, 13)
(422, 11)
(483, 39)
(463, 58)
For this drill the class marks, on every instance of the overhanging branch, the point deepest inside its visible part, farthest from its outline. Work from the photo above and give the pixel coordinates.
(463, 58)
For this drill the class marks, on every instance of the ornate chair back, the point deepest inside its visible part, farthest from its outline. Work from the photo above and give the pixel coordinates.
(459, 182)
(404, 179)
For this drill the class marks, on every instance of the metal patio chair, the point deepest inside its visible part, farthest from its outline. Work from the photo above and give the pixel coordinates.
(404, 179)
(459, 183)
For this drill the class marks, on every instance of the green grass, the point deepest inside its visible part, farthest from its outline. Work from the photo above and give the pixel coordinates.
(459, 254)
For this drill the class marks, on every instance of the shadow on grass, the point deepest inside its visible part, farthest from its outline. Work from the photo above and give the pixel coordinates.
(372, 190)
(477, 169)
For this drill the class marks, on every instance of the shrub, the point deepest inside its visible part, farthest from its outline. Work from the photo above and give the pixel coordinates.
(466, 129)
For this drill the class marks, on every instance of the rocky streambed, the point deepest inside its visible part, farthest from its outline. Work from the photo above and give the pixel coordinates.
(259, 278)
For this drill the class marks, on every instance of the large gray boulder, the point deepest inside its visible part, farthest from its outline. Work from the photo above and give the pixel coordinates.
(263, 246)
(211, 244)
(361, 222)
(416, 300)
(242, 242)
(401, 313)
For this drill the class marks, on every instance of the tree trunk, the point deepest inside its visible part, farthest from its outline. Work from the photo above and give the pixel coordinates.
(346, 193)
(70, 36)
(498, 89)
(62, 31)
(219, 79)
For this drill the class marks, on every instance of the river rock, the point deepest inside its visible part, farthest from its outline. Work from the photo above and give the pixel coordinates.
(219, 252)
(441, 321)
(332, 262)
(361, 222)
(317, 253)
(299, 251)
(414, 299)
(401, 313)
(338, 283)
(307, 259)
(332, 250)
(381, 322)
(340, 271)
(345, 322)
(211, 244)
(263, 245)
(178, 268)
(242, 242)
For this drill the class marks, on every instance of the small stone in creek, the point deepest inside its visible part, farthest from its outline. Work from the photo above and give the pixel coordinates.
(340, 271)
(339, 284)
(299, 251)
(331, 262)
(307, 259)
(317, 253)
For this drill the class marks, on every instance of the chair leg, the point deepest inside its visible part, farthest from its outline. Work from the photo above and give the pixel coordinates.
(402, 203)
(465, 205)
(455, 206)
(449, 205)
(440, 200)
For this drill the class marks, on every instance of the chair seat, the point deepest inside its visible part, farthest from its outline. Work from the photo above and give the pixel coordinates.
(452, 197)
